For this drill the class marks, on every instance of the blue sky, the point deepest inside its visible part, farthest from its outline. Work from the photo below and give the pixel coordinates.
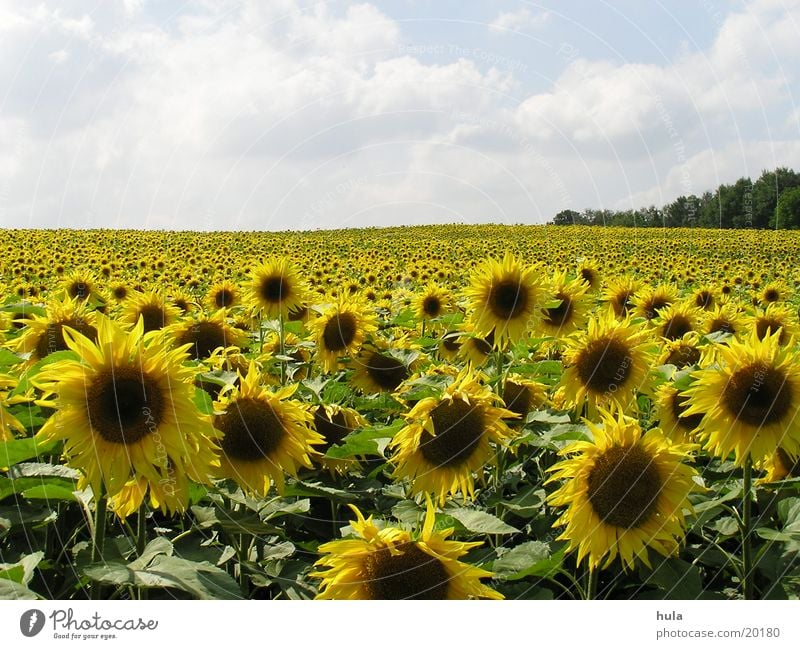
(223, 114)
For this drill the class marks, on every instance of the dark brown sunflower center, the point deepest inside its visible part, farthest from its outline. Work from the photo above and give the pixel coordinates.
(604, 365)
(52, 339)
(508, 299)
(124, 404)
(459, 429)
(768, 326)
(298, 313)
(153, 317)
(721, 325)
(560, 315)
(386, 371)
(409, 574)
(274, 289)
(771, 295)
(252, 430)
(451, 343)
(334, 429)
(758, 395)
(791, 466)
(651, 308)
(704, 299)
(678, 408)
(432, 306)
(518, 398)
(587, 275)
(622, 302)
(120, 292)
(683, 356)
(224, 298)
(205, 337)
(339, 332)
(676, 327)
(79, 290)
(623, 486)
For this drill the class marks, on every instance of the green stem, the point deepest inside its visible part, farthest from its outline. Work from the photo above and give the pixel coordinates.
(141, 529)
(747, 546)
(98, 543)
(591, 585)
(283, 348)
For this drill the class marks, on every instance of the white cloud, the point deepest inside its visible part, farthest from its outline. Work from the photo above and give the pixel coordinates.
(519, 20)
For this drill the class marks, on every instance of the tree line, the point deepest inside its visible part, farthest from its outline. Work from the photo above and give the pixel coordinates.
(772, 201)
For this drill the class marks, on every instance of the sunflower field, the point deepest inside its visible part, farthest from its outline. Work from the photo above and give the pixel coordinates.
(439, 412)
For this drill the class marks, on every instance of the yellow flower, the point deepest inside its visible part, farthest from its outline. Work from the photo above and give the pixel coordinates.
(126, 411)
(625, 492)
(44, 335)
(389, 563)
(340, 331)
(276, 288)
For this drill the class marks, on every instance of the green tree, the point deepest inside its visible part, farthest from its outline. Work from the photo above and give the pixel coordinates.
(766, 191)
(568, 217)
(788, 212)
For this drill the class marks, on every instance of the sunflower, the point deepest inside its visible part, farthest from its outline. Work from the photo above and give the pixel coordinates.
(607, 364)
(80, 286)
(725, 318)
(334, 423)
(650, 300)
(625, 492)
(704, 297)
(222, 295)
(589, 275)
(381, 367)
(125, 411)
(780, 466)
(448, 438)
(676, 320)
(8, 422)
(183, 301)
(263, 434)
(505, 297)
(276, 289)
(774, 292)
(772, 319)
(386, 563)
(569, 308)
(340, 331)
(681, 352)
(475, 349)
(750, 399)
(44, 335)
(522, 395)
(619, 295)
(154, 310)
(450, 345)
(204, 334)
(671, 410)
(433, 302)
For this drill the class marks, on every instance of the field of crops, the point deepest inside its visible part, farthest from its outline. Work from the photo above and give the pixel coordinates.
(449, 412)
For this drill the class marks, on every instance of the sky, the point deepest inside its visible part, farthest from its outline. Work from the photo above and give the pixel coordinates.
(294, 115)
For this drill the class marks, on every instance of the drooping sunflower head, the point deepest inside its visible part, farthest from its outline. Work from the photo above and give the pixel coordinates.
(624, 492)
(681, 352)
(263, 434)
(725, 318)
(772, 319)
(650, 300)
(619, 295)
(391, 563)
(607, 364)
(152, 308)
(676, 320)
(523, 396)
(126, 411)
(780, 466)
(276, 288)
(433, 302)
(750, 399)
(475, 349)
(340, 331)
(205, 334)
(447, 439)
(589, 275)
(44, 335)
(183, 301)
(505, 297)
(704, 297)
(566, 306)
(334, 423)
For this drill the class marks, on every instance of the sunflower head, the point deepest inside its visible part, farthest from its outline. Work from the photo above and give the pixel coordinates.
(676, 320)
(772, 319)
(205, 334)
(624, 492)
(505, 297)
(387, 563)
(222, 295)
(682, 352)
(522, 395)
(671, 407)
(125, 411)
(619, 295)
(749, 399)
(448, 438)
(340, 331)
(276, 288)
(725, 318)
(566, 306)
(152, 308)
(44, 335)
(433, 302)
(649, 301)
(263, 434)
